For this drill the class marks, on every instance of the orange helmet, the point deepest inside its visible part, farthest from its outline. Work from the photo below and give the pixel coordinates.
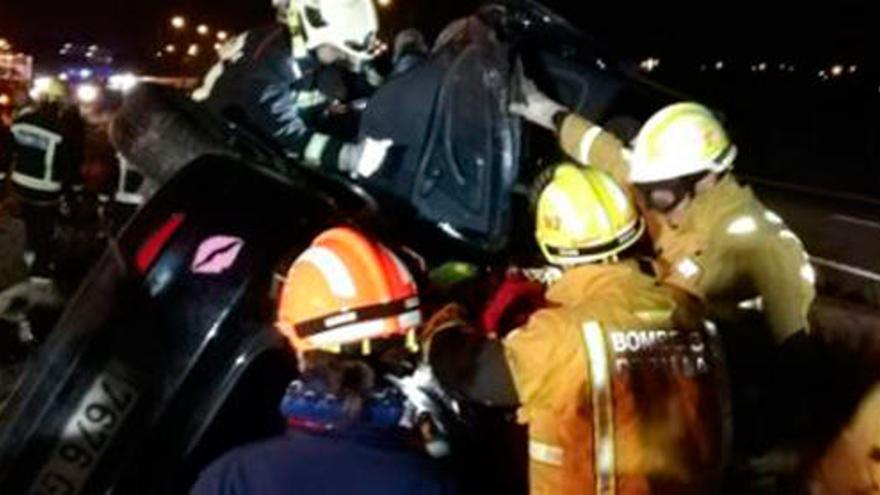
(346, 289)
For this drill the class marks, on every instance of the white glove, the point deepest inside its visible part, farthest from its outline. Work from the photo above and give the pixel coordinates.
(537, 108)
(422, 391)
(425, 398)
(365, 158)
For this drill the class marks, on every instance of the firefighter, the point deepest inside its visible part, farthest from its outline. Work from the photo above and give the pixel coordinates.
(349, 308)
(293, 80)
(713, 237)
(619, 378)
(48, 152)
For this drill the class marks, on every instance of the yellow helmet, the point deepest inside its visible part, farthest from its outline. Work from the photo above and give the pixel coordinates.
(680, 140)
(585, 216)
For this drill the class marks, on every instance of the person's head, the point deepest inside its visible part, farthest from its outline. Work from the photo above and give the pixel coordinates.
(584, 216)
(334, 30)
(681, 151)
(349, 304)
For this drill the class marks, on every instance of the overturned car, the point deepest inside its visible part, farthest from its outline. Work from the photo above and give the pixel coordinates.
(167, 357)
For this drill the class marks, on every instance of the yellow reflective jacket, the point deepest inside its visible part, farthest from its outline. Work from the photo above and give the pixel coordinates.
(590, 144)
(621, 386)
(732, 251)
(729, 251)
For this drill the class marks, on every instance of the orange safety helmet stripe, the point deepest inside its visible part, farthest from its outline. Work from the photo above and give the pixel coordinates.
(360, 256)
(297, 304)
(346, 288)
(401, 283)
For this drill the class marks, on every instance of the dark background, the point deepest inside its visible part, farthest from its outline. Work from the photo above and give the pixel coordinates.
(798, 30)
(791, 126)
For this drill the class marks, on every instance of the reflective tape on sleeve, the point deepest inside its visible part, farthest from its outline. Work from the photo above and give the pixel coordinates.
(546, 453)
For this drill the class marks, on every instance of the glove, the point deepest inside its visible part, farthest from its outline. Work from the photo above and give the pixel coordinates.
(365, 158)
(427, 404)
(537, 108)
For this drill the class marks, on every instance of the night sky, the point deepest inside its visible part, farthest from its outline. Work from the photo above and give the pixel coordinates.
(744, 27)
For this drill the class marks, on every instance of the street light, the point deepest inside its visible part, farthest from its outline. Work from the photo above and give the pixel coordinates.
(384, 3)
(222, 35)
(193, 50)
(123, 83)
(178, 22)
(170, 48)
(650, 64)
(837, 70)
(203, 29)
(87, 93)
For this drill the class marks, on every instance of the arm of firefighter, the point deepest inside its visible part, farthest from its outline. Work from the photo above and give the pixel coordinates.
(536, 354)
(590, 144)
(471, 367)
(780, 271)
(275, 110)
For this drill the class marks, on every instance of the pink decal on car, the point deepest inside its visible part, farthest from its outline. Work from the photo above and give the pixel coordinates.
(216, 254)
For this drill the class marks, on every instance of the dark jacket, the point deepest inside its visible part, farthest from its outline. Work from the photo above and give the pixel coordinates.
(259, 83)
(323, 454)
(305, 463)
(48, 151)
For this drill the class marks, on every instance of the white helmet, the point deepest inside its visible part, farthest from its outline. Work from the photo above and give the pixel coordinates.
(680, 140)
(349, 25)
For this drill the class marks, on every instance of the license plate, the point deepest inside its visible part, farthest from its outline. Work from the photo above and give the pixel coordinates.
(86, 435)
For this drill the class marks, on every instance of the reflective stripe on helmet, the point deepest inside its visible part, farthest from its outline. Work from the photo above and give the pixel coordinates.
(332, 268)
(334, 322)
(348, 333)
(578, 254)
